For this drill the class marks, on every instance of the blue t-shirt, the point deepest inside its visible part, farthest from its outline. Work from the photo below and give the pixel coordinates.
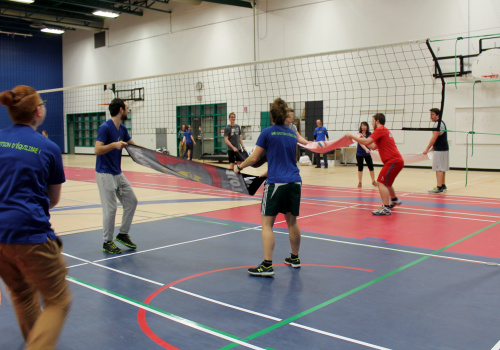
(187, 135)
(280, 143)
(360, 151)
(110, 163)
(321, 133)
(29, 163)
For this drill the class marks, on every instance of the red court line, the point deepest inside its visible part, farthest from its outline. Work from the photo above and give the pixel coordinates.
(429, 232)
(164, 182)
(141, 314)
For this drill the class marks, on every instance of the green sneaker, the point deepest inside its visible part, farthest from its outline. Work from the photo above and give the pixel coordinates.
(261, 270)
(124, 239)
(110, 247)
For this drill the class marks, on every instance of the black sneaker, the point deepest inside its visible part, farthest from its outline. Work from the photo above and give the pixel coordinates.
(261, 270)
(124, 239)
(444, 188)
(395, 203)
(293, 262)
(110, 247)
(436, 190)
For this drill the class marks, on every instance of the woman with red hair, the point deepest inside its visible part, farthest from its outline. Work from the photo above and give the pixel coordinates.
(31, 263)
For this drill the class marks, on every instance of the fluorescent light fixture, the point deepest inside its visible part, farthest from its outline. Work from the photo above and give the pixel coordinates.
(108, 14)
(24, 1)
(52, 30)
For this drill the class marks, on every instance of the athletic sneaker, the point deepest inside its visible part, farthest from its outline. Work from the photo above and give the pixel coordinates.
(374, 183)
(382, 211)
(110, 247)
(436, 190)
(444, 188)
(360, 184)
(124, 239)
(395, 203)
(261, 270)
(293, 262)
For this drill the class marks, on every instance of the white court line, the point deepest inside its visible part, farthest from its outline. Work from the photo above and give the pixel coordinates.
(390, 249)
(432, 215)
(111, 269)
(324, 203)
(404, 208)
(210, 237)
(181, 189)
(279, 319)
(177, 319)
(354, 206)
(339, 337)
(371, 190)
(226, 304)
(176, 244)
(496, 346)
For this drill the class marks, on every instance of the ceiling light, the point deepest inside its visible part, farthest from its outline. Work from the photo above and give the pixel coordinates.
(105, 14)
(52, 30)
(24, 1)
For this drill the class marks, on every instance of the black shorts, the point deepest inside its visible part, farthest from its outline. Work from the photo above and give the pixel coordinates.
(281, 198)
(232, 156)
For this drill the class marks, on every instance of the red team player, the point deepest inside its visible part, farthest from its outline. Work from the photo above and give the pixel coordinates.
(382, 139)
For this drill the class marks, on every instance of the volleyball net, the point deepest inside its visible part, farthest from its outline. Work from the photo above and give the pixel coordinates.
(395, 79)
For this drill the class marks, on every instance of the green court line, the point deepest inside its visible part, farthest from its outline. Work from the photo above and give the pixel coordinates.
(352, 291)
(184, 217)
(150, 308)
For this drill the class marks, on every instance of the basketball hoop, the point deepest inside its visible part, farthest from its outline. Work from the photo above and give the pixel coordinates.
(487, 64)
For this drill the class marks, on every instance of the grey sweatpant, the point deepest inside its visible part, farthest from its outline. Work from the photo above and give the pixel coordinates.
(112, 187)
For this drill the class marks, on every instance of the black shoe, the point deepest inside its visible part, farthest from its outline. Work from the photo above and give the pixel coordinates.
(110, 247)
(395, 203)
(317, 166)
(293, 262)
(261, 270)
(124, 239)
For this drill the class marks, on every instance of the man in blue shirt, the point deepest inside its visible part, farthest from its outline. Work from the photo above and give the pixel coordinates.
(111, 138)
(321, 134)
(188, 137)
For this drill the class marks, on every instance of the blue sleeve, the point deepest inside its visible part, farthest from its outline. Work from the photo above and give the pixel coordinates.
(57, 172)
(102, 134)
(262, 140)
(315, 131)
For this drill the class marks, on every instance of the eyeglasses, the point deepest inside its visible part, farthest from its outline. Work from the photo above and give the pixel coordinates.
(44, 103)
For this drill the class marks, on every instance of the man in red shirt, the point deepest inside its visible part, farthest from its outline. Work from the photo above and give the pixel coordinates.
(382, 139)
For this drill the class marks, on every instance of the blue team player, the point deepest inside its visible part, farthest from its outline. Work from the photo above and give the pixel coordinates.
(283, 188)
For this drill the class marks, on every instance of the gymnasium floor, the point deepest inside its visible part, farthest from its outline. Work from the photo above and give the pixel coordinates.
(424, 278)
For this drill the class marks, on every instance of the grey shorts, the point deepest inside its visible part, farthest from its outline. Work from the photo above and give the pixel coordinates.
(441, 160)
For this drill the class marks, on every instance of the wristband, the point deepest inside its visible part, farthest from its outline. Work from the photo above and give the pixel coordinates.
(238, 166)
